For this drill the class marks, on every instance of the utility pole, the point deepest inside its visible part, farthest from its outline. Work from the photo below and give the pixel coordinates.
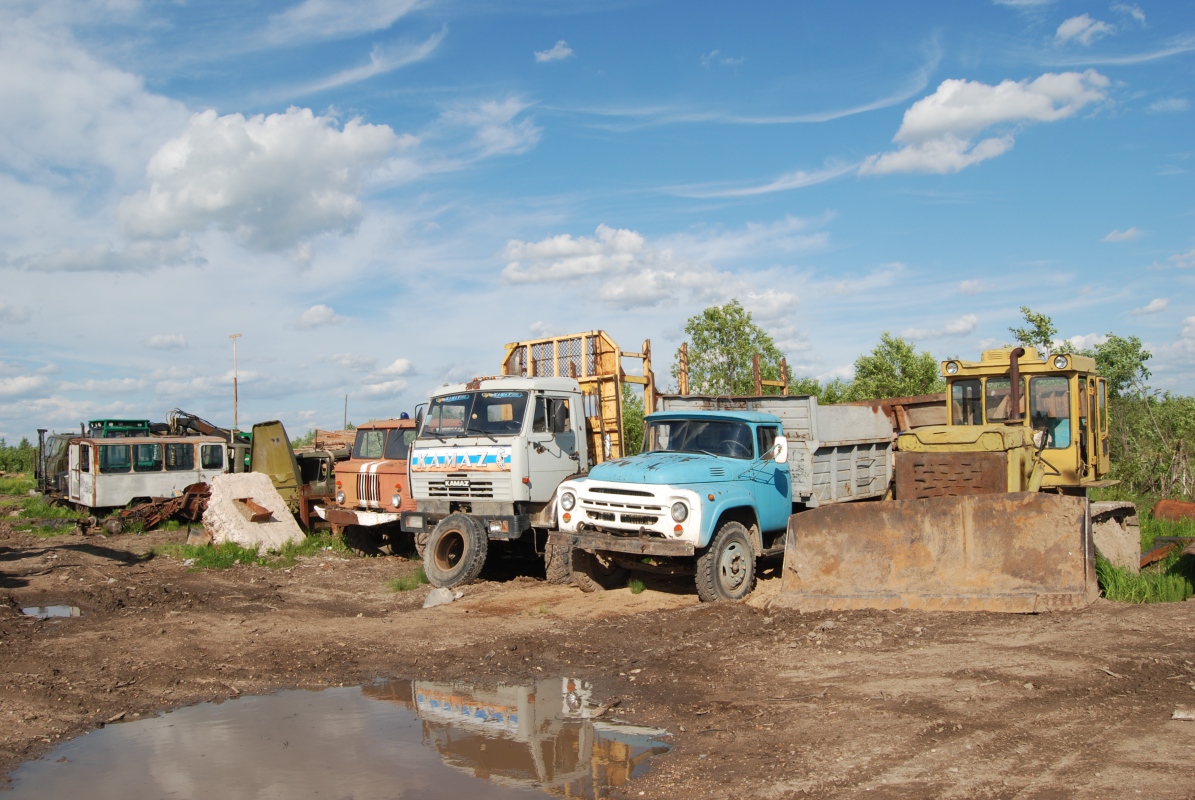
(234, 337)
(346, 413)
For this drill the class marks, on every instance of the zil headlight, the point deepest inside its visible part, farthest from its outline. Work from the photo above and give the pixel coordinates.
(396, 500)
(680, 512)
(568, 500)
(952, 368)
(340, 498)
(1060, 362)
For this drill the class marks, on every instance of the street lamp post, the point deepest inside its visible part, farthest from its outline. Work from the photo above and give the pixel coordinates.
(234, 337)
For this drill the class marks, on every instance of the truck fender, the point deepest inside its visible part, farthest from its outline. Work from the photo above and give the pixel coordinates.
(737, 507)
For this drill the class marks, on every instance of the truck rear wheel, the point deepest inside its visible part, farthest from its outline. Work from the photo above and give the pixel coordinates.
(596, 572)
(455, 552)
(726, 571)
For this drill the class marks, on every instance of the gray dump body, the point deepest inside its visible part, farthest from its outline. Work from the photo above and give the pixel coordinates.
(835, 453)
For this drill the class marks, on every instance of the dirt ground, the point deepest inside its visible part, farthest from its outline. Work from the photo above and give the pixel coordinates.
(760, 702)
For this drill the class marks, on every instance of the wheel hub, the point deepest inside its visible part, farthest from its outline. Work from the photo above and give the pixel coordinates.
(732, 568)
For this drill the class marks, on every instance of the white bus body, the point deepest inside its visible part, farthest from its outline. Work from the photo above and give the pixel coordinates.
(109, 473)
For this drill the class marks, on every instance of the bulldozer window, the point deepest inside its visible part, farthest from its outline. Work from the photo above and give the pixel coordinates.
(180, 457)
(1049, 409)
(1103, 406)
(369, 444)
(966, 403)
(998, 399)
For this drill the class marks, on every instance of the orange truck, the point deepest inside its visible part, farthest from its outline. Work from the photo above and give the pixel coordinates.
(372, 487)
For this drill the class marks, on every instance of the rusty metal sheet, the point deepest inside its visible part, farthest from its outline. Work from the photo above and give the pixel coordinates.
(645, 545)
(932, 474)
(1173, 510)
(1021, 552)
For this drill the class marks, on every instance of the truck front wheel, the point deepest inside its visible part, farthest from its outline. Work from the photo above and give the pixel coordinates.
(455, 552)
(595, 572)
(726, 571)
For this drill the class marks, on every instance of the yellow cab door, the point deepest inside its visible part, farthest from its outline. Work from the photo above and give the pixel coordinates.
(1105, 458)
(1084, 437)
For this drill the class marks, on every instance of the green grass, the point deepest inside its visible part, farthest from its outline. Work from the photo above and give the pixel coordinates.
(41, 508)
(18, 485)
(406, 583)
(229, 554)
(46, 531)
(1169, 581)
(1152, 528)
(636, 586)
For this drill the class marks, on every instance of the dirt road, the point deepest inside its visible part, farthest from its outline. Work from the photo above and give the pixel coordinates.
(760, 702)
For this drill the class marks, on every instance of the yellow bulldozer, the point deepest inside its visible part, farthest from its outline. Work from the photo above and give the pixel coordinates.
(988, 511)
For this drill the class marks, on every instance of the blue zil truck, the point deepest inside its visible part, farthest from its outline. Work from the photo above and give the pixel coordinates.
(712, 490)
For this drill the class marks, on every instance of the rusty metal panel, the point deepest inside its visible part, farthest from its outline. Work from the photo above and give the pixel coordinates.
(931, 474)
(1022, 552)
(639, 545)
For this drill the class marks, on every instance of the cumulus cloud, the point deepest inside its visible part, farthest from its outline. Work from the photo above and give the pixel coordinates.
(21, 385)
(400, 366)
(13, 314)
(972, 287)
(938, 132)
(318, 316)
(1170, 105)
(330, 19)
(109, 386)
(1123, 236)
(1082, 29)
(271, 181)
(558, 52)
(383, 389)
(963, 326)
(1084, 341)
(166, 341)
(1153, 307)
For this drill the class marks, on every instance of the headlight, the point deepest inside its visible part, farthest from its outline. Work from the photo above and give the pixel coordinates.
(568, 500)
(1060, 362)
(680, 512)
(952, 368)
(396, 500)
(340, 498)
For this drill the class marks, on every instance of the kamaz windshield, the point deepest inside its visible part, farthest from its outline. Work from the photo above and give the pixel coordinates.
(474, 413)
(712, 437)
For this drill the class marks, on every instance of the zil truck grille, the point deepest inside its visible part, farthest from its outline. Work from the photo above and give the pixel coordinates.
(612, 490)
(639, 519)
(461, 487)
(368, 493)
(607, 505)
(604, 516)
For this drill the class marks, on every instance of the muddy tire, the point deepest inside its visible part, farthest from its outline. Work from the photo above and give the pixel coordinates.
(421, 544)
(593, 572)
(455, 552)
(360, 541)
(727, 569)
(557, 564)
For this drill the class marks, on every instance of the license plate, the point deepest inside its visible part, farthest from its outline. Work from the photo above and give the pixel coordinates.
(461, 482)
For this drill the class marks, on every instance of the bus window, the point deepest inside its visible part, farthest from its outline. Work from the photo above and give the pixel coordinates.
(212, 457)
(1049, 410)
(966, 403)
(114, 458)
(147, 458)
(998, 399)
(85, 458)
(180, 457)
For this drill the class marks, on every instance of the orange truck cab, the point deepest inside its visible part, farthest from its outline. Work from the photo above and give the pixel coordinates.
(371, 486)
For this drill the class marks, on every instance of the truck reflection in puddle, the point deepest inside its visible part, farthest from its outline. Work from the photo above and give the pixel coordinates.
(544, 735)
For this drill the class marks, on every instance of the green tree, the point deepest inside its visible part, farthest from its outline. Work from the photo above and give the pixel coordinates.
(1039, 331)
(1122, 362)
(632, 420)
(894, 369)
(722, 341)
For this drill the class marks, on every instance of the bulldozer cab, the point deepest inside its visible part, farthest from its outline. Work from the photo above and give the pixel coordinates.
(1060, 399)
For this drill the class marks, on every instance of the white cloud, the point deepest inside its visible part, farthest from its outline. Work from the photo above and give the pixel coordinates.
(496, 129)
(22, 385)
(972, 287)
(400, 366)
(1123, 236)
(1184, 260)
(797, 179)
(963, 326)
(350, 361)
(1153, 307)
(318, 316)
(13, 314)
(937, 133)
(383, 389)
(166, 341)
(109, 386)
(1170, 105)
(558, 52)
(381, 61)
(542, 330)
(329, 19)
(718, 58)
(1082, 29)
(1131, 9)
(271, 181)
(136, 256)
(1084, 341)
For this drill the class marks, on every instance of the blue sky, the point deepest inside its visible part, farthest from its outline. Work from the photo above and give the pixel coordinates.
(378, 195)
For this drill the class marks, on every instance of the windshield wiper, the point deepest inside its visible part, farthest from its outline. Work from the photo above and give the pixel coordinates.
(471, 429)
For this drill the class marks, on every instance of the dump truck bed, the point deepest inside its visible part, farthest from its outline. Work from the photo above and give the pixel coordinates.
(835, 453)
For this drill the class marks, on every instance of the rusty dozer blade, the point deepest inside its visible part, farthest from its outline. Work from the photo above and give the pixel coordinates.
(1021, 553)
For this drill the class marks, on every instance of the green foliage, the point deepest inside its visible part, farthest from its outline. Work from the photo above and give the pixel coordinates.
(894, 369)
(632, 421)
(1170, 581)
(636, 586)
(304, 440)
(722, 342)
(230, 554)
(41, 508)
(1122, 362)
(1153, 444)
(18, 458)
(405, 583)
(19, 484)
(1039, 331)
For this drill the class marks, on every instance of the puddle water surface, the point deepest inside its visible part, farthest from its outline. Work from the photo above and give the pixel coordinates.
(388, 740)
(45, 612)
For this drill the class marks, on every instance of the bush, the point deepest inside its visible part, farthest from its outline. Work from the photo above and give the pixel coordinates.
(1170, 581)
(1152, 441)
(18, 458)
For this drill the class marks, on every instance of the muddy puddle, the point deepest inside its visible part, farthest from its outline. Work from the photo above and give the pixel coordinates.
(392, 739)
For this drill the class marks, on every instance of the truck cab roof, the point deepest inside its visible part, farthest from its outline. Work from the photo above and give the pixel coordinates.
(515, 383)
